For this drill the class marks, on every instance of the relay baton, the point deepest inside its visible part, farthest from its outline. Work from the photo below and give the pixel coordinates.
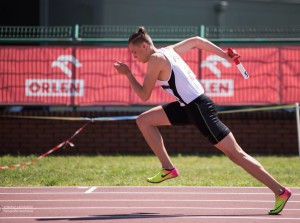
(237, 62)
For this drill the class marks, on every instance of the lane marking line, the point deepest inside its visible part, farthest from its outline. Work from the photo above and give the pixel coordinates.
(164, 207)
(150, 187)
(147, 192)
(90, 190)
(148, 200)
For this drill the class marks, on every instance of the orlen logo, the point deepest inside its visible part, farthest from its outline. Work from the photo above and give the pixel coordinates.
(211, 63)
(58, 87)
(217, 87)
(62, 62)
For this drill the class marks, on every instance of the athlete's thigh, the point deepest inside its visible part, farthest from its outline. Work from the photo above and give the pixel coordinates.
(203, 113)
(155, 116)
(176, 114)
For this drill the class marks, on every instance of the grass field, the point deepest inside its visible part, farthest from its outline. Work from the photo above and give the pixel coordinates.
(128, 170)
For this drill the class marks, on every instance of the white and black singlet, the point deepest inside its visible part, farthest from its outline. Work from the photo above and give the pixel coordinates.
(192, 105)
(182, 83)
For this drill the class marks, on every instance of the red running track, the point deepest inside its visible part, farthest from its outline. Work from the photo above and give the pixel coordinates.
(144, 205)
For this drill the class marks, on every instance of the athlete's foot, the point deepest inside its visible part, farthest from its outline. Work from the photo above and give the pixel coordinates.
(163, 175)
(280, 201)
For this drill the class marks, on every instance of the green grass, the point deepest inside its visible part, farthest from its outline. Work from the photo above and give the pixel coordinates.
(128, 170)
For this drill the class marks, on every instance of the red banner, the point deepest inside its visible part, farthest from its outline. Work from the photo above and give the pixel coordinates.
(223, 82)
(37, 75)
(82, 76)
(289, 59)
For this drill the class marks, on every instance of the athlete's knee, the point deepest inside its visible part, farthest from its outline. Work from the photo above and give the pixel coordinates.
(236, 157)
(139, 121)
(234, 153)
(142, 120)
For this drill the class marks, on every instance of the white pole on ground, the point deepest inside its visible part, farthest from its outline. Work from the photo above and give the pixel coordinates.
(298, 125)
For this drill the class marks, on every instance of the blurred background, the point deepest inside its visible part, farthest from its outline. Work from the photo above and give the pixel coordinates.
(274, 13)
(56, 59)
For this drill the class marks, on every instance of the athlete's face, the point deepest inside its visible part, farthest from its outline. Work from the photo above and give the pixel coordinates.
(139, 52)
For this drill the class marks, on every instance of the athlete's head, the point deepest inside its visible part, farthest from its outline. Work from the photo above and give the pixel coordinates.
(139, 37)
(140, 45)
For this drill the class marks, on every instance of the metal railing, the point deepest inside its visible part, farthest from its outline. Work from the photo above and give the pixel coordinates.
(35, 33)
(251, 34)
(119, 34)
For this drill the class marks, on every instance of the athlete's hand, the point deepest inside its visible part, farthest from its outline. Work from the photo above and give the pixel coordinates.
(122, 68)
(231, 58)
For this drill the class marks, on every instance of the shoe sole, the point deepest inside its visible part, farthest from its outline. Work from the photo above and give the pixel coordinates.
(162, 180)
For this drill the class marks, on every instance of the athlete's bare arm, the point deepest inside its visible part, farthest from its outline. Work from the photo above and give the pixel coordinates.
(200, 43)
(154, 68)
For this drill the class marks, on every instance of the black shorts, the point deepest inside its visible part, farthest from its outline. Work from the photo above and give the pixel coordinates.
(202, 113)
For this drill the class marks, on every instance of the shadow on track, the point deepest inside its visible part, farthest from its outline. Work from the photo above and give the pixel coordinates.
(139, 216)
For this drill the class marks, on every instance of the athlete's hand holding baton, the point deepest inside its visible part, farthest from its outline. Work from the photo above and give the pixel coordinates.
(233, 53)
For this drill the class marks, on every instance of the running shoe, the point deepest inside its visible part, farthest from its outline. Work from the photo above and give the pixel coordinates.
(163, 175)
(281, 201)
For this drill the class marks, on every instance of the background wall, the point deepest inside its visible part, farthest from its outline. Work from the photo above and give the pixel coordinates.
(257, 133)
(154, 12)
(262, 133)
(174, 12)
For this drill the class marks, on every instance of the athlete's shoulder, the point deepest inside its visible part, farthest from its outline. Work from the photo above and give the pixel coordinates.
(158, 56)
(156, 60)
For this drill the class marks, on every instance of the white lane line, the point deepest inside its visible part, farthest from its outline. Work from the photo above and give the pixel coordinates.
(146, 187)
(136, 192)
(149, 192)
(146, 200)
(90, 190)
(199, 187)
(131, 207)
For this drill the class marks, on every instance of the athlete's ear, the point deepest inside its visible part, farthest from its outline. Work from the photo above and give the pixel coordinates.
(144, 45)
